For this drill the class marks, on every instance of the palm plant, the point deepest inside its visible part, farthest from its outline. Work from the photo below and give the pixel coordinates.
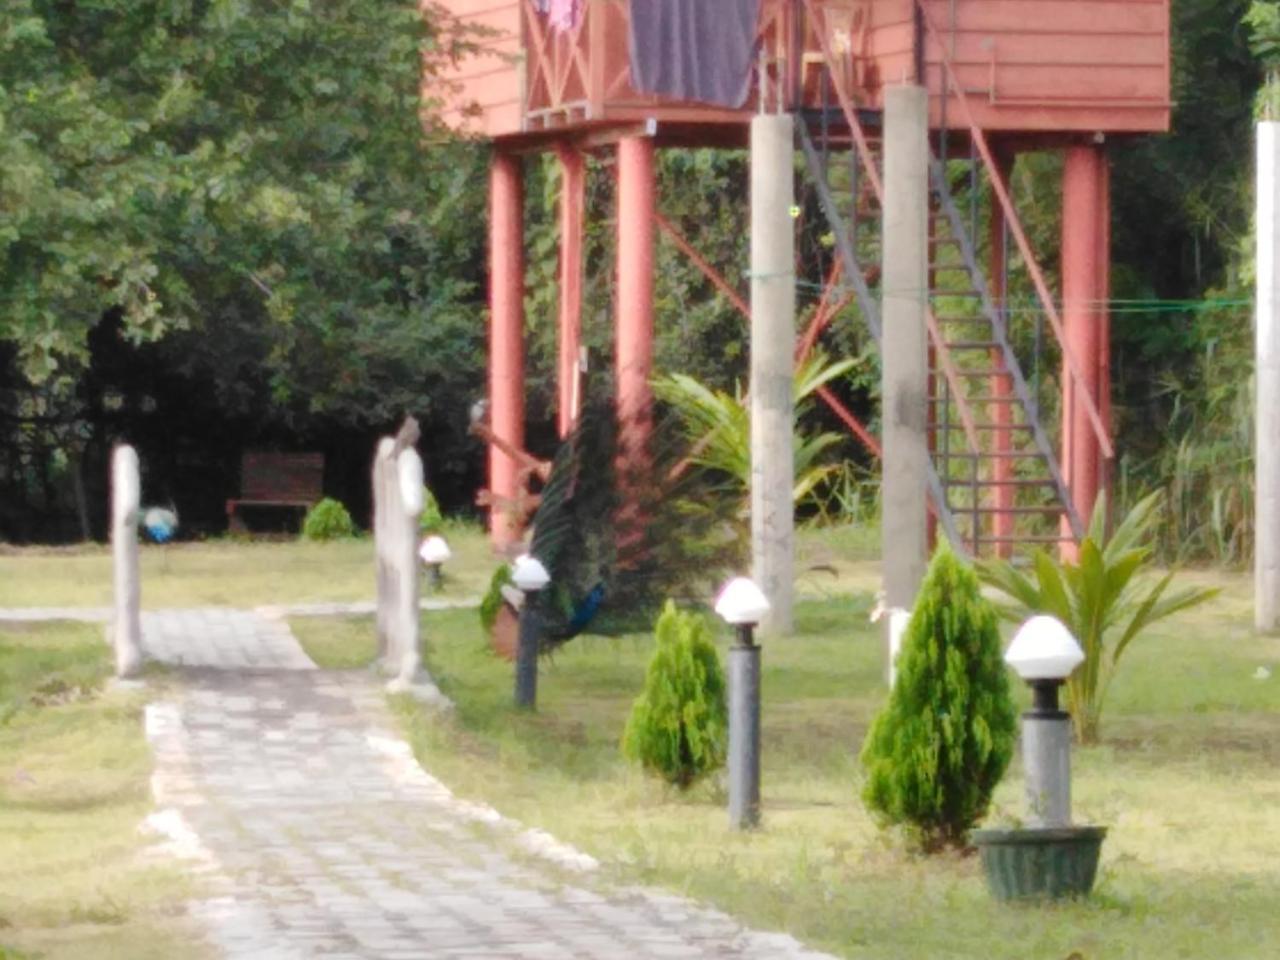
(1101, 598)
(718, 425)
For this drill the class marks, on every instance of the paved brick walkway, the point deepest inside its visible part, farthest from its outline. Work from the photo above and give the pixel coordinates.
(318, 836)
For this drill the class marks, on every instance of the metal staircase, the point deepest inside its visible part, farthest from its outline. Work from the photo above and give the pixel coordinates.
(995, 483)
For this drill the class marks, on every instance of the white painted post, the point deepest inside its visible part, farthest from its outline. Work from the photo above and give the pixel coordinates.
(1267, 384)
(773, 333)
(404, 517)
(126, 489)
(898, 621)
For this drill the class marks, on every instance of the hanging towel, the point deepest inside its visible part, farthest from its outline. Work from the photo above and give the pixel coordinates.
(699, 50)
(563, 14)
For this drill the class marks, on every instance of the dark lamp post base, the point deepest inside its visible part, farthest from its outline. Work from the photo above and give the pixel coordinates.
(1048, 863)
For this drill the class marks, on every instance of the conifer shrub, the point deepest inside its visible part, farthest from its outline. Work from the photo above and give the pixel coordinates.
(327, 520)
(934, 754)
(679, 723)
(432, 519)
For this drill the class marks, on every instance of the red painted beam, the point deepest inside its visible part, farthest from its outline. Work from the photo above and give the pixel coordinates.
(1085, 280)
(637, 188)
(573, 178)
(506, 336)
(699, 261)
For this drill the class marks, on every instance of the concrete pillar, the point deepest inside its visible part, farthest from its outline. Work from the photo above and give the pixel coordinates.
(904, 401)
(773, 334)
(634, 358)
(506, 333)
(1086, 230)
(1267, 386)
(126, 489)
(573, 179)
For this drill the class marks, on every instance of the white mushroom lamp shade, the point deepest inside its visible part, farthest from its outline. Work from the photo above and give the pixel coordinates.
(741, 602)
(434, 550)
(1044, 649)
(528, 573)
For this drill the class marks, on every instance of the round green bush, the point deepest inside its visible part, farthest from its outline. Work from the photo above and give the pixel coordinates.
(678, 724)
(431, 520)
(327, 520)
(935, 753)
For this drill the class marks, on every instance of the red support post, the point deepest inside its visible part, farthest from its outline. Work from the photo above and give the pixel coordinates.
(1001, 412)
(634, 361)
(573, 178)
(506, 336)
(1086, 230)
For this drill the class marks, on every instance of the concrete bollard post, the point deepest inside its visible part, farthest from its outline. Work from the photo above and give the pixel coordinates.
(126, 490)
(381, 534)
(407, 490)
(744, 732)
(1267, 385)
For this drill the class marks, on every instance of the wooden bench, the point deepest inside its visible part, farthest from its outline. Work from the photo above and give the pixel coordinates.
(294, 480)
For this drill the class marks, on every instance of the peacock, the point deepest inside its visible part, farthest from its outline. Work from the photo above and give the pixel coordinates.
(610, 575)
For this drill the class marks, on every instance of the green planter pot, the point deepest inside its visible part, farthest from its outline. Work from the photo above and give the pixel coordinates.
(1045, 863)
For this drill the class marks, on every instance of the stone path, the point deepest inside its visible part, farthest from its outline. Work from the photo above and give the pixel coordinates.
(318, 836)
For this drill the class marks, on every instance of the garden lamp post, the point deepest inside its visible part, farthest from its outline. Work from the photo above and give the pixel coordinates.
(435, 553)
(1044, 653)
(742, 605)
(530, 576)
(1047, 858)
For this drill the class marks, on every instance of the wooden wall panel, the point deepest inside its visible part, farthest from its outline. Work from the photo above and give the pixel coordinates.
(483, 91)
(1027, 65)
(1068, 65)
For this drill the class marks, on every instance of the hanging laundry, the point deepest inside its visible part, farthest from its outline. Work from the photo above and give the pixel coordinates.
(694, 49)
(564, 14)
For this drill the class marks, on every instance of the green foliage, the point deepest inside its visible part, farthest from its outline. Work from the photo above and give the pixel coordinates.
(936, 752)
(718, 426)
(432, 521)
(327, 520)
(678, 724)
(255, 177)
(1263, 21)
(492, 600)
(1102, 599)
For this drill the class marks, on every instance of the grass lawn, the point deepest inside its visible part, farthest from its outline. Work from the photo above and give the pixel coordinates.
(1187, 778)
(226, 572)
(74, 771)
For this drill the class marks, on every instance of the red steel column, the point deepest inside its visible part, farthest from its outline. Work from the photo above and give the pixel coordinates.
(636, 237)
(572, 198)
(1002, 522)
(506, 334)
(1086, 229)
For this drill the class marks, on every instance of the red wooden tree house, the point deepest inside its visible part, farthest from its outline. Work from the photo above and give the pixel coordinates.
(1003, 77)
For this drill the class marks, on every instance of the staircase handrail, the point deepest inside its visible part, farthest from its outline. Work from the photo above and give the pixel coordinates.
(1019, 234)
(949, 372)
